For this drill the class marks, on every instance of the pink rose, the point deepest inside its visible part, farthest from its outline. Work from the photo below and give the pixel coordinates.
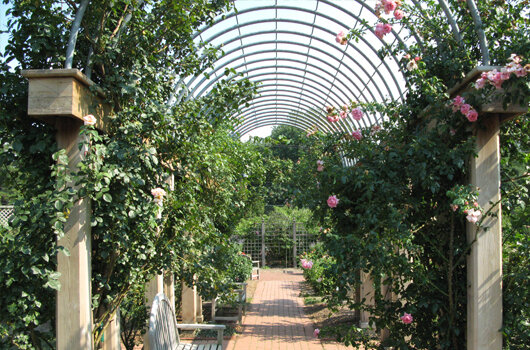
(480, 83)
(333, 201)
(454, 207)
(465, 108)
(458, 101)
(521, 72)
(357, 114)
(379, 31)
(343, 114)
(473, 215)
(472, 115)
(387, 28)
(389, 6)
(406, 318)
(306, 264)
(341, 38)
(316, 332)
(398, 14)
(89, 120)
(357, 135)
(320, 165)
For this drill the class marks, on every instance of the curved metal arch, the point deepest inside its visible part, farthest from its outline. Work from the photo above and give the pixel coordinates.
(285, 109)
(326, 43)
(348, 122)
(450, 18)
(273, 107)
(342, 87)
(337, 100)
(273, 118)
(279, 122)
(294, 81)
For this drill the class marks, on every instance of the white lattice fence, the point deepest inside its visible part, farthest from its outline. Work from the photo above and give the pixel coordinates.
(5, 214)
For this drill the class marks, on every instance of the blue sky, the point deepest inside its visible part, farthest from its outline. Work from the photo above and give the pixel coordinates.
(3, 26)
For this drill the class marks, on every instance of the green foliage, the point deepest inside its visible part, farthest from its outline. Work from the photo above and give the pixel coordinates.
(320, 276)
(137, 60)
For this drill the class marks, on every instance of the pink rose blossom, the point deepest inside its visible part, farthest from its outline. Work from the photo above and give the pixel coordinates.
(417, 58)
(465, 108)
(379, 31)
(306, 264)
(389, 6)
(473, 215)
(341, 38)
(316, 332)
(387, 28)
(398, 14)
(375, 128)
(357, 135)
(407, 57)
(89, 120)
(514, 58)
(333, 201)
(479, 84)
(458, 101)
(320, 165)
(357, 114)
(472, 115)
(521, 72)
(497, 80)
(475, 204)
(454, 207)
(343, 114)
(406, 318)
(345, 108)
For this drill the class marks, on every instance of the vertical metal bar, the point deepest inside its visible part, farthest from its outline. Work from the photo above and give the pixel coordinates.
(294, 243)
(263, 243)
(480, 32)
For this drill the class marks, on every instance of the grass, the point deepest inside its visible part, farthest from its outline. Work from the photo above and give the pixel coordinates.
(312, 300)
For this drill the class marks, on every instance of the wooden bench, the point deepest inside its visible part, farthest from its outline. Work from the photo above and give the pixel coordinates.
(163, 329)
(241, 305)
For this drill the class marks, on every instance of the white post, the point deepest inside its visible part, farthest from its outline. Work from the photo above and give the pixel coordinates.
(484, 263)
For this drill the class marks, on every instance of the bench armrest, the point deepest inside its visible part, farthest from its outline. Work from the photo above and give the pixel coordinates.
(200, 326)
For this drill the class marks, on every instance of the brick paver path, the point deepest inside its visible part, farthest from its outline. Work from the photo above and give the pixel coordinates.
(276, 319)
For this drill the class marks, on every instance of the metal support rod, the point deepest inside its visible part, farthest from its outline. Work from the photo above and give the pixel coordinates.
(263, 243)
(294, 243)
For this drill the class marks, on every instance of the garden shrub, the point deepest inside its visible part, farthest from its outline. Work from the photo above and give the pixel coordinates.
(320, 276)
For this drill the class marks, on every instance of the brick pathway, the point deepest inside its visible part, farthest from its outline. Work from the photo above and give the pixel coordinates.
(276, 320)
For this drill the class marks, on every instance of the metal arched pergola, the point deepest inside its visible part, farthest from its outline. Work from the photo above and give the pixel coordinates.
(289, 48)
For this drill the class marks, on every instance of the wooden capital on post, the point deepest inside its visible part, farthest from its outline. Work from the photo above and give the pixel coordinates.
(484, 263)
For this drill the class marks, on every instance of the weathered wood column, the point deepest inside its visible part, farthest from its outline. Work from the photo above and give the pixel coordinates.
(61, 97)
(155, 286)
(189, 303)
(366, 292)
(484, 263)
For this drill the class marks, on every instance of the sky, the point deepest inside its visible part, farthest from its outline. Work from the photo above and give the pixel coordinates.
(3, 26)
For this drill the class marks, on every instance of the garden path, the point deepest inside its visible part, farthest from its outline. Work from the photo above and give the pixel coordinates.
(276, 319)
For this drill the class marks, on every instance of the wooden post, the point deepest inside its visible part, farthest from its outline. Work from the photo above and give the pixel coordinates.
(73, 309)
(263, 243)
(189, 304)
(198, 312)
(169, 288)
(366, 292)
(294, 243)
(155, 286)
(484, 263)
(111, 334)
(61, 97)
